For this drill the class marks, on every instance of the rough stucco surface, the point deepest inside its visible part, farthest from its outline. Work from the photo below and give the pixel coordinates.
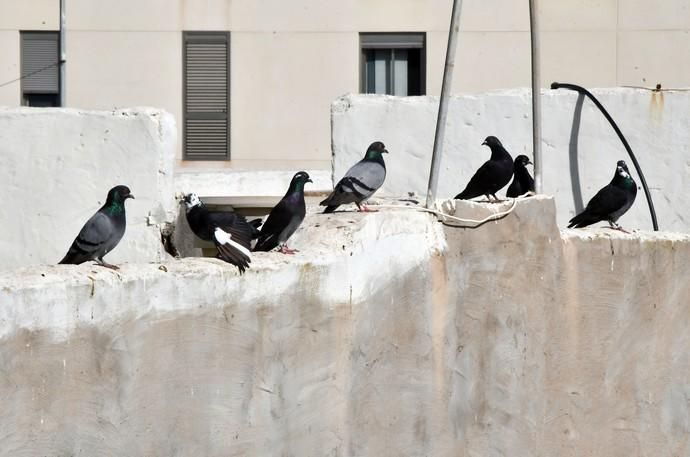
(58, 165)
(389, 334)
(579, 147)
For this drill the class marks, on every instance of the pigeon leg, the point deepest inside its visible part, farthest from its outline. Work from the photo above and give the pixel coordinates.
(615, 226)
(365, 209)
(286, 250)
(496, 199)
(103, 263)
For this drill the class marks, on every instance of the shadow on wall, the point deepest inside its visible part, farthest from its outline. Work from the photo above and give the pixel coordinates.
(573, 150)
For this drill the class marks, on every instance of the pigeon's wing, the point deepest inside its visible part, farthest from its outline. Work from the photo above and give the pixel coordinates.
(480, 182)
(234, 224)
(359, 183)
(277, 220)
(92, 240)
(514, 190)
(606, 202)
(231, 250)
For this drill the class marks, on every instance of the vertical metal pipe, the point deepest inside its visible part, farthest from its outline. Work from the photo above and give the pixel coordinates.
(536, 95)
(63, 54)
(443, 103)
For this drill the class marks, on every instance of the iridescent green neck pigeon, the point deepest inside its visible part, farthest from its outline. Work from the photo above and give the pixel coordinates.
(611, 202)
(361, 180)
(102, 232)
(285, 217)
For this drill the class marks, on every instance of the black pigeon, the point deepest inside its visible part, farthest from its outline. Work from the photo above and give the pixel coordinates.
(361, 180)
(522, 181)
(611, 202)
(493, 175)
(102, 231)
(230, 232)
(285, 217)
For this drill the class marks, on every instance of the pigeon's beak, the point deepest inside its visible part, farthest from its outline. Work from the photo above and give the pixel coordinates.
(484, 143)
(129, 196)
(529, 162)
(385, 151)
(309, 180)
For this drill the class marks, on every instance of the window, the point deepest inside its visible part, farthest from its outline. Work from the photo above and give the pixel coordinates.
(206, 97)
(393, 63)
(39, 68)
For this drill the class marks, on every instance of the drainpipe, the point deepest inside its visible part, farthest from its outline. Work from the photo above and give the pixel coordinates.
(443, 103)
(536, 95)
(61, 77)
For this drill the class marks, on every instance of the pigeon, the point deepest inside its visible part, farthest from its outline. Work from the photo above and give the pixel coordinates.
(492, 176)
(360, 182)
(102, 232)
(611, 202)
(522, 181)
(230, 232)
(285, 217)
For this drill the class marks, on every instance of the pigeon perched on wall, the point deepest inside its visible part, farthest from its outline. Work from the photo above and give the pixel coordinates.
(611, 202)
(285, 217)
(493, 175)
(361, 180)
(230, 232)
(522, 181)
(102, 232)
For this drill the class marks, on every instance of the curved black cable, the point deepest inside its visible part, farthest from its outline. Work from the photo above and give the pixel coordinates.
(608, 117)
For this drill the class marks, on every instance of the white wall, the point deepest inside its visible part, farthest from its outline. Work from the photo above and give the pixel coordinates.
(655, 125)
(58, 165)
(387, 335)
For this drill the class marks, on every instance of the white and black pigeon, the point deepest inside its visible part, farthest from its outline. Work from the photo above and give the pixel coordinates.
(102, 232)
(285, 217)
(611, 202)
(492, 176)
(230, 232)
(361, 180)
(522, 180)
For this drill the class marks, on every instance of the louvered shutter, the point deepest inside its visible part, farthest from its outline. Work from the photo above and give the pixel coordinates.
(40, 62)
(206, 95)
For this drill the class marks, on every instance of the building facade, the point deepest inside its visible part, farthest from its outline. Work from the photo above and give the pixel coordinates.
(250, 82)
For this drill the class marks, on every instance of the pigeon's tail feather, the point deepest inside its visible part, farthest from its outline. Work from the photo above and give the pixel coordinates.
(234, 257)
(583, 220)
(467, 194)
(266, 243)
(330, 209)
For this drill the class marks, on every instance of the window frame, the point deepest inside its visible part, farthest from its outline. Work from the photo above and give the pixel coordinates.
(24, 91)
(206, 36)
(392, 41)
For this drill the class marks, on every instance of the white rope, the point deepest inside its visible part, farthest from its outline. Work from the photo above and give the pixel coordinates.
(477, 223)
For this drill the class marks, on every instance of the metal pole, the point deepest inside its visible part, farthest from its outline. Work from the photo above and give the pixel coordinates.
(63, 54)
(443, 103)
(536, 95)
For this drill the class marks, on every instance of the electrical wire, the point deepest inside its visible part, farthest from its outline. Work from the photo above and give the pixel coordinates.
(30, 74)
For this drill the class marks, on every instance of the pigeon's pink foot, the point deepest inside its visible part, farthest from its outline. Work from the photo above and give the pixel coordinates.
(365, 209)
(286, 250)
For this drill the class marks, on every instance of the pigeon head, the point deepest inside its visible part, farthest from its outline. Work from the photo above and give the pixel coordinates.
(375, 150)
(492, 142)
(622, 169)
(119, 194)
(298, 181)
(522, 160)
(191, 200)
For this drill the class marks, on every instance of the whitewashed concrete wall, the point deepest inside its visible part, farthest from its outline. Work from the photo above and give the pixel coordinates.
(57, 168)
(387, 335)
(655, 124)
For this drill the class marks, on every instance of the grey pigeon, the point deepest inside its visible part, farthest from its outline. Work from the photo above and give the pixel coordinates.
(230, 232)
(611, 202)
(361, 180)
(102, 232)
(522, 180)
(285, 217)
(493, 175)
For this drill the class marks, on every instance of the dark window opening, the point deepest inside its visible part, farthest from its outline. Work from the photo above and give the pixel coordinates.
(40, 69)
(393, 63)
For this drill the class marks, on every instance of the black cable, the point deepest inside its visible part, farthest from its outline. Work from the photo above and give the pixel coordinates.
(30, 74)
(608, 117)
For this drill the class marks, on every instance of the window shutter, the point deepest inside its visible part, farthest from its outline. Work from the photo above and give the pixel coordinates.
(39, 56)
(206, 95)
